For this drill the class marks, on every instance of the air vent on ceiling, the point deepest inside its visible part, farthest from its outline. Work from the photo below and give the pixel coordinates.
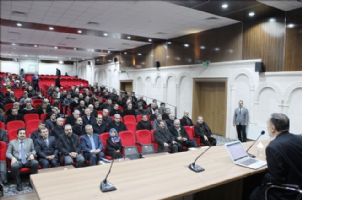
(93, 23)
(14, 33)
(70, 38)
(161, 33)
(18, 13)
(212, 18)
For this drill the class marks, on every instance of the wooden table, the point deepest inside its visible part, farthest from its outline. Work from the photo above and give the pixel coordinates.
(160, 177)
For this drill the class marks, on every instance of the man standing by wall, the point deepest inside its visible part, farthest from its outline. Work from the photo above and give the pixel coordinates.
(241, 120)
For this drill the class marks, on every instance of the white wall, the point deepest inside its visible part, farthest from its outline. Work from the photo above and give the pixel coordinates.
(32, 66)
(262, 94)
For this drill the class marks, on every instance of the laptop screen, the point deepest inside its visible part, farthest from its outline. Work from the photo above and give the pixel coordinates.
(236, 150)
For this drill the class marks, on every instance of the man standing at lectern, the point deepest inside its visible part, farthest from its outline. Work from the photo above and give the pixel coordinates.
(241, 120)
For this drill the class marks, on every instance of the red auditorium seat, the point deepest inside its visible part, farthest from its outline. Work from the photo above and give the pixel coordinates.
(138, 118)
(43, 117)
(129, 118)
(12, 134)
(8, 106)
(16, 124)
(103, 137)
(128, 142)
(3, 148)
(30, 116)
(190, 130)
(131, 126)
(2, 125)
(143, 137)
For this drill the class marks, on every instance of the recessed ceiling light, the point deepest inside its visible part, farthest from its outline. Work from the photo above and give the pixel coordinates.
(74, 49)
(251, 14)
(19, 24)
(108, 51)
(26, 55)
(105, 34)
(169, 42)
(272, 20)
(149, 40)
(51, 28)
(13, 44)
(35, 45)
(224, 6)
(109, 60)
(139, 54)
(217, 49)
(202, 47)
(125, 53)
(56, 47)
(290, 25)
(60, 62)
(79, 31)
(186, 45)
(129, 37)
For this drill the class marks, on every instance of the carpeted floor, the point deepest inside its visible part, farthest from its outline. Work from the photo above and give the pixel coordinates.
(10, 188)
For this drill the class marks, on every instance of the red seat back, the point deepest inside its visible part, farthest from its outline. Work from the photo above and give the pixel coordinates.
(3, 148)
(131, 126)
(127, 138)
(138, 118)
(144, 136)
(190, 131)
(12, 134)
(8, 106)
(2, 125)
(103, 137)
(31, 116)
(43, 117)
(16, 124)
(129, 118)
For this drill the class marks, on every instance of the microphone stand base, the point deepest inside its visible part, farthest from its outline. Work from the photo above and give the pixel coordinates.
(107, 187)
(196, 168)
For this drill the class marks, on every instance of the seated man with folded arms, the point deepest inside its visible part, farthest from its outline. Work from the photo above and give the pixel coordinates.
(181, 136)
(166, 141)
(204, 132)
(284, 160)
(69, 147)
(144, 124)
(46, 149)
(22, 154)
(91, 146)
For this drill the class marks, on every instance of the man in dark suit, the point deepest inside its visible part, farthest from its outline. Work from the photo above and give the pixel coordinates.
(117, 124)
(69, 147)
(91, 146)
(72, 118)
(106, 117)
(181, 136)
(46, 149)
(166, 141)
(144, 124)
(284, 159)
(170, 121)
(185, 120)
(22, 154)
(88, 118)
(100, 127)
(204, 132)
(58, 129)
(78, 128)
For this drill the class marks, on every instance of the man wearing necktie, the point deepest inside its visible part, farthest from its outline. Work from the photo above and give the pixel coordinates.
(46, 149)
(22, 154)
(241, 120)
(91, 146)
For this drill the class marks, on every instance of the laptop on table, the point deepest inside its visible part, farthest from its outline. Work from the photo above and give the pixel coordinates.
(240, 157)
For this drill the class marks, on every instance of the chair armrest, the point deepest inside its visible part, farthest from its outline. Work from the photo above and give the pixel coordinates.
(285, 187)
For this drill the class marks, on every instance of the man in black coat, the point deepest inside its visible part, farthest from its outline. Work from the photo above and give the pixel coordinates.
(166, 141)
(15, 115)
(78, 128)
(72, 118)
(144, 124)
(58, 129)
(185, 120)
(88, 118)
(181, 136)
(117, 124)
(100, 127)
(69, 147)
(284, 160)
(204, 132)
(46, 149)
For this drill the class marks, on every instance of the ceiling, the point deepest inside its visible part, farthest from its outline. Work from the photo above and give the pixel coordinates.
(141, 19)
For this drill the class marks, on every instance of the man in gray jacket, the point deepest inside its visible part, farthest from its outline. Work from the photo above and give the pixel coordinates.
(22, 154)
(241, 121)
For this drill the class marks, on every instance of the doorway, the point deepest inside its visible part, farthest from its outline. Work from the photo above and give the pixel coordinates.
(126, 86)
(210, 101)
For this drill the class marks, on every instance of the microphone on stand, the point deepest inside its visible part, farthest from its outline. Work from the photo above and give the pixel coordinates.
(251, 155)
(105, 186)
(196, 168)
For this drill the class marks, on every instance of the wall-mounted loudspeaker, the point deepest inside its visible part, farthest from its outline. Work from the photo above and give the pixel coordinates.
(157, 65)
(89, 63)
(259, 67)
